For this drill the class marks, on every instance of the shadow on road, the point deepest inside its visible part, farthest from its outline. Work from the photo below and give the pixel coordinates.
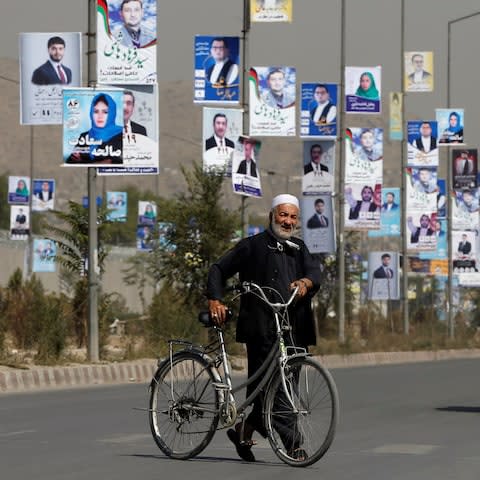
(459, 409)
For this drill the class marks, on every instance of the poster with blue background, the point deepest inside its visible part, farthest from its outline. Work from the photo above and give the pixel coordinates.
(319, 110)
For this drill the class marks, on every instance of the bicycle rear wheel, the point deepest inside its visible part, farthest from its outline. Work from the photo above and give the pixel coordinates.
(301, 434)
(184, 406)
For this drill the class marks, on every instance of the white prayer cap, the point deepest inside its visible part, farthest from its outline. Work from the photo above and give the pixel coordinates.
(285, 198)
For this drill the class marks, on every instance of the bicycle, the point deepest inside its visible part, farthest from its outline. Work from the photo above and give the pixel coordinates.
(190, 397)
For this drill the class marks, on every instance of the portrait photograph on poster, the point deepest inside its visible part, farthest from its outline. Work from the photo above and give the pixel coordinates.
(18, 190)
(147, 213)
(19, 222)
(44, 255)
(450, 125)
(127, 42)
(363, 93)
(48, 63)
(362, 206)
(389, 214)
(318, 166)
(418, 71)
(245, 167)
(43, 198)
(383, 277)
(117, 206)
(271, 10)
(318, 223)
(92, 127)
(464, 168)
(422, 143)
(421, 228)
(216, 69)
(319, 110)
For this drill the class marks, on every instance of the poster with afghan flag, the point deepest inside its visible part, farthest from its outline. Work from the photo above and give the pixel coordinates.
(127, 42)
(272, 101)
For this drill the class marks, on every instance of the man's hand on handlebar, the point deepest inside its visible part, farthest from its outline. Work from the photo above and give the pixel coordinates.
(218, 312)
(303, 284)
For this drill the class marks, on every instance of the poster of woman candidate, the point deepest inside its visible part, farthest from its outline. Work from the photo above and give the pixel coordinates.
(319, 110)
(18, 190)
(318, 167)
(127, 41)
(48, 63)
(44, 255)
(140, 132)
(418, 71)
(216, 69)
(117, 206)
(245, 167)
(43, 198)
(272, 101)
(422, 143)
(318, 223)
(383, 278)
(450, 125)
(222, 128)
(271, 10)
(92, 127)
(363, 93)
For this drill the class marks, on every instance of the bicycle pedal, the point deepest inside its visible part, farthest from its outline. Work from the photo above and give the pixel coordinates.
(220, 386)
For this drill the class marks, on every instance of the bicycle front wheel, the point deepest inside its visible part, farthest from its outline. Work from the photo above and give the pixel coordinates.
(184, 406)
(301, 419)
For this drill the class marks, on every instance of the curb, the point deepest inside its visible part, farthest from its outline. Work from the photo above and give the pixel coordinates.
(42, 378)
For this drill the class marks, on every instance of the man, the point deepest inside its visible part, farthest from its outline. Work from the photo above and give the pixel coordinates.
(132, 34)
(315, 165)
(424, 230)
(419, 75)
(425, 182)
(469, 203)
(324, 111)
(384, 271)
(464, 164)
(318, 219)
(280, 261)
(366, 205)
(20, 219)
(389, 205)
(425, 142)
(130, 127)
(276, 96)
(224, 71)
(368, 149)
(247, 165)
(43, 198)
(464, 246)
(53, 71)
(218, 139)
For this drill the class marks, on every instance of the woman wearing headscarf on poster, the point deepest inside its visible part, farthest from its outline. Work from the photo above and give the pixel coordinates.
(454, 131)
(367, 87)
(22, 189)
(102, 144)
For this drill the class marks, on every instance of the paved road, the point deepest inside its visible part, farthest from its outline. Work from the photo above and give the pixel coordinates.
(408, 422)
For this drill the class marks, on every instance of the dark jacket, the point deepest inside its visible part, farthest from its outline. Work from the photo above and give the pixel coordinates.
(46, 75)
(211, 143)
(259, 260)
(242, 168)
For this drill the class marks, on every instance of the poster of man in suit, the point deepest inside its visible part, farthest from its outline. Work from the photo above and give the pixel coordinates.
(48, 63)
(383, 281)
(245, 167)
(418, 71)
(271, 10)
(43, 194)
(318, 223)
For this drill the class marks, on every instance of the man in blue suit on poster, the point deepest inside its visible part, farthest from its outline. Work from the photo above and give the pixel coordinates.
(53, 71)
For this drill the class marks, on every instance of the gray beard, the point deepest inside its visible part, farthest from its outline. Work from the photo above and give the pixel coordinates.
(276, 229)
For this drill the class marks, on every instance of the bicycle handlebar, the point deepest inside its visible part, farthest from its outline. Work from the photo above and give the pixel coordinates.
(245, 287)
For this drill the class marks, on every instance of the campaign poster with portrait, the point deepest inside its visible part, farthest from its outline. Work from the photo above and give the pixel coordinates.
(318, 223)
(19, 222)
(464, 251)
(441, 198)
(44, 255)
(92, 127)
(222, 127)
(389, 214)
(48, 63)
(418, 71)
(363, 155)
(165, 232)
(216, 69)
(272, 101)
(140, 132)
(421, 230)
(117, 203)
(245, 167)
(147, 213)
(43, 198)
(383, 275)
(363, 90)
(422, 188)
(318, 110)
(145, 237)
(441, 252)
(450, 125)
(465, 209)
(318, 166)
(271, 10)
(19, 190)
(422, 148)
(362, 206)
(127, 42)
(464, 168)
(396, 116)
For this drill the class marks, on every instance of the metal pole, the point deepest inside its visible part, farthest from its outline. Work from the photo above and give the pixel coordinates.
(406, 323)
(93, 335)
(29, 255)
(341, 182)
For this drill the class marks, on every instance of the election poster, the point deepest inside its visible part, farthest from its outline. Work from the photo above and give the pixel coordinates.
(450, 126)
(465, 209)
(48, 63)
(464, 168)
(362, 206)
(245, 167)
(140, 132)
(127, 42)
(389, 214)
(383, 276)
(272, 101)
(418, 71)
(147, 213)
(44, 255)
(318, 110)
(43, 198)
(396, 116)
(441, 251)
(92, 127)
(422, 188)
(464, 252)
(421, 230)
(117, 203)
(19, 222)
(318, 223)
(271, 10)
(216, 69)
(422, 147)
(318, 167)
(363, 93)
(19, 190)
